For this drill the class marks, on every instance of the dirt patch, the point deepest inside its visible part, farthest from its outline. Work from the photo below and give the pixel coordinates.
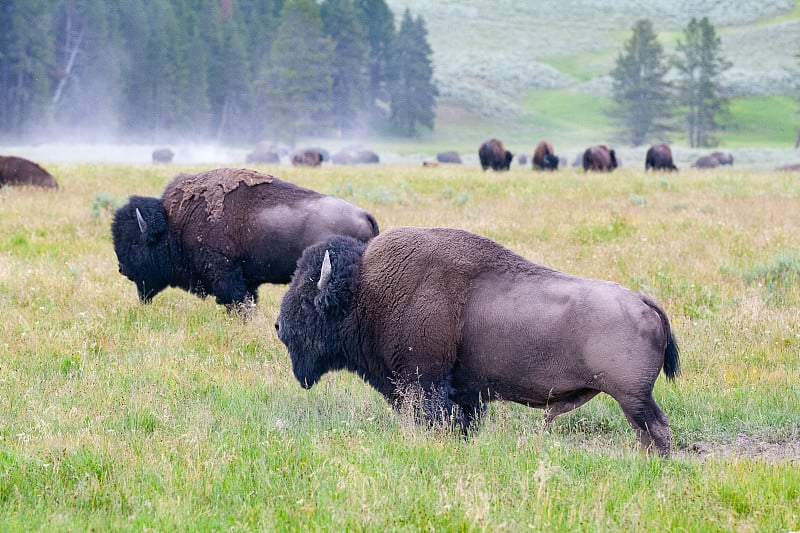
(212, 186)
(744, 447)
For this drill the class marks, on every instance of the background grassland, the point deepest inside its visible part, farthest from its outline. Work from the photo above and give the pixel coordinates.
(175, 416)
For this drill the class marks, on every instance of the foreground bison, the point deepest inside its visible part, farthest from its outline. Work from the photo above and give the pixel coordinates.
(493, 155)
(599, 157)
(461, 321)
(659, 157)
(20, 171)
(544, 158)
(225, 232)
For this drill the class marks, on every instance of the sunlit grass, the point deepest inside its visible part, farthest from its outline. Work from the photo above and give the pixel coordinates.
(175, 416)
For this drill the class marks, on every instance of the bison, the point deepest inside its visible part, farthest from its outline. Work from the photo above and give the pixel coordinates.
(225, 232)
(309, 158)
(459, 320)
(449, 157)
(659, 157)
(599, 157)
(723, 158)
(544, 158)
(355, 156)
(706, 161)
(163, 155)
(493, 155)
(20, 171)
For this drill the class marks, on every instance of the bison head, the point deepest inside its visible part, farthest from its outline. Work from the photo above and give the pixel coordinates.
(139, 231)
(318, 301)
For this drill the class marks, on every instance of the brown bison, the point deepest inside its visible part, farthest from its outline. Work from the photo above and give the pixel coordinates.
(458, 320)
(493, 155)
(309, 158)
(544, 158)
(19, 171)
(355, 156)
(163, 155)
(448, 157)
(599, 157)
(659, 157)
(723, 158)
(225, 232)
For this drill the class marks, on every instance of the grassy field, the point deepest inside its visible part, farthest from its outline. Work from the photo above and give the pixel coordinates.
(178, 417)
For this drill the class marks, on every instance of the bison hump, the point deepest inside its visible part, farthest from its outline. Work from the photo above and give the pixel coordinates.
(212, 186)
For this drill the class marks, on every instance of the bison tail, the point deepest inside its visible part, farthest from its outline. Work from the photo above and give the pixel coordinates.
(672, 361)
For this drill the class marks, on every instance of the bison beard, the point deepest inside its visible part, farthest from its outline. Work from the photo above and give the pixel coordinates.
(452, 320)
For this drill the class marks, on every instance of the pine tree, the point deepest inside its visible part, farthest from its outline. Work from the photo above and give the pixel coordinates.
(26, 52)
(378, 20)
(298, 80)
(699, 63)
(640, 93)
(413, 91)
(348, 69)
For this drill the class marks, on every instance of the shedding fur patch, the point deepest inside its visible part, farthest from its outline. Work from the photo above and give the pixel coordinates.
(212, 186)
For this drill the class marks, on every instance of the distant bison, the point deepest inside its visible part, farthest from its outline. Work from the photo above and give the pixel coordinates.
(522, 159)
(448, 157)
(795, 167)
(225, 232)
(713, 160)
(723, 158)
(493, 155)
(659, 157)
(309, 158)
(20, 171)
(544, 158)
(163, 155)
(599, 157)
(706, 161)
(456, 320)
(355, 156)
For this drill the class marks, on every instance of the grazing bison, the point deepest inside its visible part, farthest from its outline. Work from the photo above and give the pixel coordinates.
(544, 158)
(795, 167)
(19, 171)
(225, 232)
(309, 158)
(355, 156)
(448, 157)
(706, 161)
(459, 320)
(163, 155)
(599, 157)
(493, 155)
(723, 158)
(659, 157)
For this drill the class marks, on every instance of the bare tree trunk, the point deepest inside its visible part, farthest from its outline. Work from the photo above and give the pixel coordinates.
(797, 141)
(72, 45)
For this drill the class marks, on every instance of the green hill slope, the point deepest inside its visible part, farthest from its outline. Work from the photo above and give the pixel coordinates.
(525, 68)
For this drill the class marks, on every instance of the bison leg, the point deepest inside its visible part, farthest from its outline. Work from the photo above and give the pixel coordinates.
(649, 422)
(568, 404)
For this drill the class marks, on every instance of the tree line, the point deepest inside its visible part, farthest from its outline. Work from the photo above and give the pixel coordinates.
(650, 90)
(233, 70)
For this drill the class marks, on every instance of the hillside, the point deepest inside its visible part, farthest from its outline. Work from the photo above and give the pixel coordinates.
(492, 58)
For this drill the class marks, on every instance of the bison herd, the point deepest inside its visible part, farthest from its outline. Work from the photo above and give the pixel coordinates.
(448, 317)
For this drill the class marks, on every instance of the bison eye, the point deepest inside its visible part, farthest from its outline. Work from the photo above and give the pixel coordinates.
(277, 327)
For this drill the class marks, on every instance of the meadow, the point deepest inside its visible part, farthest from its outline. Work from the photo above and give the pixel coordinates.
(175, 416)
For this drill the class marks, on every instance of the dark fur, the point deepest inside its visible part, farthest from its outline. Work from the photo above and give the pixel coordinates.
(309, 158)
(493, 155)
(163, 155)
(544, 158)
(20, 171)
(659, 157)
(464, 321)
(599, 157)
(225, 232)
(448, 157)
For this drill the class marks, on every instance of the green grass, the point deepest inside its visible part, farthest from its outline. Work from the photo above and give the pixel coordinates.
(764, 121)
(177, 417)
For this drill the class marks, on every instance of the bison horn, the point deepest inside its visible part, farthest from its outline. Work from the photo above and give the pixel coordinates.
(325, 272)
(140, 220)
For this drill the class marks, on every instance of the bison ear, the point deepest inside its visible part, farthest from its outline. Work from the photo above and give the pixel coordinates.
(140, 220)
(325, 271)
